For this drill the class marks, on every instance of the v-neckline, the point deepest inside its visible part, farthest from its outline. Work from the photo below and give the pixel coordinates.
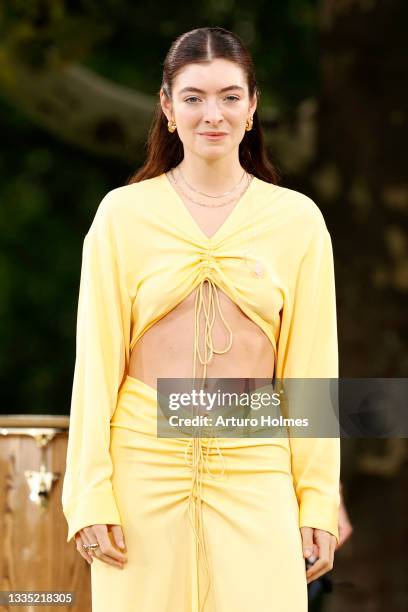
(181, 204)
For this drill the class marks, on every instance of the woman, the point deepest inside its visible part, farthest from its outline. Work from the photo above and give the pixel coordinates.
(201, 266)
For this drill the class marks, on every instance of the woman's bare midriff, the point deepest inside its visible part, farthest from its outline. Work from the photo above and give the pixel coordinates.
(166, 350)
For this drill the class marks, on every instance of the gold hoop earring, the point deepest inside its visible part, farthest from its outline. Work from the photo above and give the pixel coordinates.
(249, 124)
(171, 125)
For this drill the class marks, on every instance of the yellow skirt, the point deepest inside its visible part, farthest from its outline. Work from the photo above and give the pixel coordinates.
(213, 531)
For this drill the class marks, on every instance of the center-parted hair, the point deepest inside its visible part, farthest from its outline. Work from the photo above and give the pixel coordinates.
(165, 149)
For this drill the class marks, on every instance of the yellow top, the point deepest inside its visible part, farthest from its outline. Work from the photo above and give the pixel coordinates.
(143, 255)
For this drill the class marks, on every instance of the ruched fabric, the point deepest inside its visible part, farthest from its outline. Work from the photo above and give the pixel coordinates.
(249, 520)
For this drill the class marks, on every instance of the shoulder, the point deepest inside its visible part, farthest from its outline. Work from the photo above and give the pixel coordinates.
(300, 210)
(118, 207)
(124, 196)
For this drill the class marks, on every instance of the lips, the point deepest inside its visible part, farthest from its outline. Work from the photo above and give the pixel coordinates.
(212, 133)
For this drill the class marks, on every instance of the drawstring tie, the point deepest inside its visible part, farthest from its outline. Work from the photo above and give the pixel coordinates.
(195, 444)
(209, 314)
(195, 513)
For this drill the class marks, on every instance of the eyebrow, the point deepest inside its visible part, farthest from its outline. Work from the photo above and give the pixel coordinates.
(196, 90)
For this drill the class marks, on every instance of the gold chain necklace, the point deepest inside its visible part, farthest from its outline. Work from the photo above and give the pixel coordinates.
(207, 194)
(174, 180)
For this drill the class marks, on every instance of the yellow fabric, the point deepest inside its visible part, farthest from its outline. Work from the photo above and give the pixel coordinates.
(143, 255)
(249, 520)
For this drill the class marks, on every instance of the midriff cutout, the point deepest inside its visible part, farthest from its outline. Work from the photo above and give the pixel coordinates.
(166, 349)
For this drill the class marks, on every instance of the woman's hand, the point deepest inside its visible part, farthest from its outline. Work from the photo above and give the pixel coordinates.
(345, 526)
(106, 551)
(318, 544)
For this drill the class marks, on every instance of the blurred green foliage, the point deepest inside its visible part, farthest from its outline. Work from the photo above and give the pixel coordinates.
(48, 193)
(49, 190)
(127, 42)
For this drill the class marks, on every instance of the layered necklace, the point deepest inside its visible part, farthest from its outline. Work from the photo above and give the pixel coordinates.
(248, 176)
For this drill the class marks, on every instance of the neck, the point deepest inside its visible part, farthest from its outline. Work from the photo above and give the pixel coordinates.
(211, 176)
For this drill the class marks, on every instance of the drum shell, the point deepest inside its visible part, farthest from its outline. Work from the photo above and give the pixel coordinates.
(35, 555)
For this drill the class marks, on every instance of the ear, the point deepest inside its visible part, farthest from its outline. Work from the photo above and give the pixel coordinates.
(253, 104)
(166, 105)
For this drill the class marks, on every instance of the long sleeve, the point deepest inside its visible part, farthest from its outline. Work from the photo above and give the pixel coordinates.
(309, 349)
(101, 351)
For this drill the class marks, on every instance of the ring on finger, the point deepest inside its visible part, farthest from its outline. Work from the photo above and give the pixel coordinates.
(90, 546)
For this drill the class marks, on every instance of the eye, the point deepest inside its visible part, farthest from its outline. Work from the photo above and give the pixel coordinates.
(233, 98)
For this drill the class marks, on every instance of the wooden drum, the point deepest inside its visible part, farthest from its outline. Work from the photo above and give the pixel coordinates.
(34, 553)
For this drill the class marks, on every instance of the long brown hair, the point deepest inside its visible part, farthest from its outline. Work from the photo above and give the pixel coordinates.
(165, 149)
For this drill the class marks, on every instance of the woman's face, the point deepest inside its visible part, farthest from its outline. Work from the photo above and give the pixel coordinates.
(210, 97)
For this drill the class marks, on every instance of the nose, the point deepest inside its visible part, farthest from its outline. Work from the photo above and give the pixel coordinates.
(213, 112)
